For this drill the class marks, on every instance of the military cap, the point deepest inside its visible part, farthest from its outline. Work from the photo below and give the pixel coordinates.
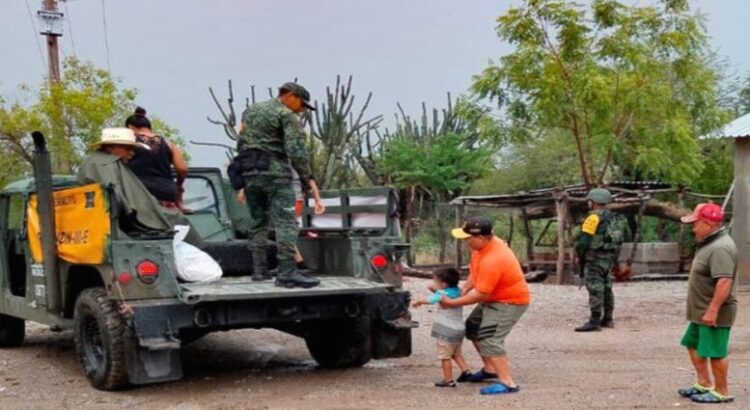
(599, 196)
(300, 92)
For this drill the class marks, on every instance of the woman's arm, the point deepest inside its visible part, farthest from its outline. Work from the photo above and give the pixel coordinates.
(179, 164)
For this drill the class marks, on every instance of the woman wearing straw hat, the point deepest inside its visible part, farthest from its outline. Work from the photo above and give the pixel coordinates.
(140, 211)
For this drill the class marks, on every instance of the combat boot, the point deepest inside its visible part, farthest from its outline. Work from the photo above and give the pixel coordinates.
(608, 322)
(260, 267)
(290, 277)
(593, 325)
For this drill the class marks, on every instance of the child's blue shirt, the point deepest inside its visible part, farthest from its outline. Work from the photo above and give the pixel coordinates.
(450, 293)
(448, 325)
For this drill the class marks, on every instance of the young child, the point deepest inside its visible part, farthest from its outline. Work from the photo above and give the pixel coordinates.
(448, 326)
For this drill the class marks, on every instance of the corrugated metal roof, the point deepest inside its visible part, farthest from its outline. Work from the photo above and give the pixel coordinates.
(739, 128)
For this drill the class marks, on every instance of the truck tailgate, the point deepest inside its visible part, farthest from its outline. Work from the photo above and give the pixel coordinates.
(243, 288)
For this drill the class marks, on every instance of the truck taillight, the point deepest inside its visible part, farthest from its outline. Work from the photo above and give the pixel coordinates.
(147, 271)
(379, 261)
(124, 278)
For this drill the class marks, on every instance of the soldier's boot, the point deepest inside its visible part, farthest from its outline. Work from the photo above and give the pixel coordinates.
(594, 324)
(302, 268)
(607, 320)
(290, 277)
(260, 267)
(591, 326)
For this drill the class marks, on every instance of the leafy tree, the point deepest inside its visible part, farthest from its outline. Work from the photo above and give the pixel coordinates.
(546, 161)
(442, 169)
(71, 114)
(717, 173)
(631, 87)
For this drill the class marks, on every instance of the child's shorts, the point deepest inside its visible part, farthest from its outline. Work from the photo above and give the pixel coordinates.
(447, 351)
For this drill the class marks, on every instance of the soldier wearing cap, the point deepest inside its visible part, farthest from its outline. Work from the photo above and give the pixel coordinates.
(272, 139)
(711, 305)
(598, 247)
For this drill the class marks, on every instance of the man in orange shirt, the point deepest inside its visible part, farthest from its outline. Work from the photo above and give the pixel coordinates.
(497, 284)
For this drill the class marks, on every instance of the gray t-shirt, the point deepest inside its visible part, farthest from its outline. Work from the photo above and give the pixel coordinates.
(714, 259)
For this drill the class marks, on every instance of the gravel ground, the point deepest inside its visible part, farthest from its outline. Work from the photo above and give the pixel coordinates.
(637, 365)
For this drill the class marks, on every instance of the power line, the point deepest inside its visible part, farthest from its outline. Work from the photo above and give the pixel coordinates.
(106, 37)
(36, 37)
(70, 27)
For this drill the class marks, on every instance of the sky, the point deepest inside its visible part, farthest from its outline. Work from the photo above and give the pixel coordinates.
(407, 51)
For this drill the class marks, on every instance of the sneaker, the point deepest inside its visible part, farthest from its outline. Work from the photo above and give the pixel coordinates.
(445, 383)
(464, 377)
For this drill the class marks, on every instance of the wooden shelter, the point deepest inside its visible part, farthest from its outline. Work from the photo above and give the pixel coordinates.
(567, 205)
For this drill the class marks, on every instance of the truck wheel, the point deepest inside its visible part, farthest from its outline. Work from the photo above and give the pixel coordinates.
(100, 334)
(340, 344)
(12, 331)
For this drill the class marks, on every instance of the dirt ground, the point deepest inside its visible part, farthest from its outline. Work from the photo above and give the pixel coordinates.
(637, 365)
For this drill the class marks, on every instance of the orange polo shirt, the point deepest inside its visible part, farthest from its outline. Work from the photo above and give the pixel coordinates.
(496, 270)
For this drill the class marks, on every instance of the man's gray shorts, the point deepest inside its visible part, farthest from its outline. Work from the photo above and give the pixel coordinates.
(489, 324)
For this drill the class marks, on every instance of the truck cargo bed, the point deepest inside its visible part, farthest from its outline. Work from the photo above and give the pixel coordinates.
(243, 288)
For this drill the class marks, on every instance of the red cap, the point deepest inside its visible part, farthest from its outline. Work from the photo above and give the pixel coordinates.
(709, 212)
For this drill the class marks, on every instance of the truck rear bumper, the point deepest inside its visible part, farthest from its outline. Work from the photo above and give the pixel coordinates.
(159, 324)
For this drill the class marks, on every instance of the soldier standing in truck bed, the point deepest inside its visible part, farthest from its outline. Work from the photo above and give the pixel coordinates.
(598, 247)
(272, 138)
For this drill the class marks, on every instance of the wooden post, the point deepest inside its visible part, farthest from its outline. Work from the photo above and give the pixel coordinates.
(681, 234)
(637, 234)
(561, 203)
(741, 209)
(529, 236)
(460, 210)
(510, 233)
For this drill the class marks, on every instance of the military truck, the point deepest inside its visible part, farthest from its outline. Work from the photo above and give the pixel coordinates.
(66, 263)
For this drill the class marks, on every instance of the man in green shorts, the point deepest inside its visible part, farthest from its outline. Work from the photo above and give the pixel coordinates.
(711, 305)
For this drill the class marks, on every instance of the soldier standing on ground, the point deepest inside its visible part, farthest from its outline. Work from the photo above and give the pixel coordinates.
(272, 138)
(598, 248)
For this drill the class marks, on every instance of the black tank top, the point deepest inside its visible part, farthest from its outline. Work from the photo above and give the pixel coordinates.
(154, 168)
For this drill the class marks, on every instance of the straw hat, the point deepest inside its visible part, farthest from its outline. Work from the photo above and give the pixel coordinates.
(118, 136)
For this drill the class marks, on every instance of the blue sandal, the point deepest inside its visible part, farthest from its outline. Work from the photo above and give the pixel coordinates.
(693, 390)
(712, 397)
(499, 388)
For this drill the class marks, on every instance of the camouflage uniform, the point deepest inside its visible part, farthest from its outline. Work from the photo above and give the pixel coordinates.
(598, 246)
(273, 129)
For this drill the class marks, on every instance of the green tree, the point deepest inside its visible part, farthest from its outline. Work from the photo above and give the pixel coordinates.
(631, 87)
(442, 170)
(546, 161)
(70, 113)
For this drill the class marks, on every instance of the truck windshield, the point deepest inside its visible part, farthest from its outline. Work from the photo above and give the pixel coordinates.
(200, 195)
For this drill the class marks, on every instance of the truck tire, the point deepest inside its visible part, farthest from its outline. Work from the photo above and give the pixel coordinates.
(341, 343)
(12, 331)
(100, 334)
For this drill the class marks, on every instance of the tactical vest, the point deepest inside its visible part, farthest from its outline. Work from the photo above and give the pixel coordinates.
(608, 236)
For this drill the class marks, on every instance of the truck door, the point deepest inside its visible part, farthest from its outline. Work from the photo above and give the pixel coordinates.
(13, 266)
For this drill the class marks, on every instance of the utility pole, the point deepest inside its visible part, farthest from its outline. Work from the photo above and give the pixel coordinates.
(51, 23)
